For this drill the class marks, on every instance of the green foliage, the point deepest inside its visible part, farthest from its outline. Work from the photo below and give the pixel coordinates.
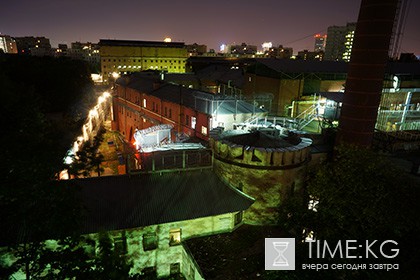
(362, 196)
(59, 83)
(34, 206)
(88, 158)
(109, 264)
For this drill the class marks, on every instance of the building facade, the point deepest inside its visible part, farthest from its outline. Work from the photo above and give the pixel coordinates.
(268, 167)
(142, 101)
(276, 83)
(8, 44)
(37, 46)
(339, 42)
(124, 56)
(320, 41)
(148, 217)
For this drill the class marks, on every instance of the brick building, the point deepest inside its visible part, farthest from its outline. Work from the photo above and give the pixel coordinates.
(142, 100)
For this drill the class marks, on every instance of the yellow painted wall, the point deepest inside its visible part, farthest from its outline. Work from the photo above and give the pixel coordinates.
(134, 59)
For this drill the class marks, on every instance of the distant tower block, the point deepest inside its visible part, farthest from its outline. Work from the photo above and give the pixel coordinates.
(263, 165)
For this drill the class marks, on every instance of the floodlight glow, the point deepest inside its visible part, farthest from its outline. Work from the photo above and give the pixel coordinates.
(115, 75)
(96, 116)
(267, 45)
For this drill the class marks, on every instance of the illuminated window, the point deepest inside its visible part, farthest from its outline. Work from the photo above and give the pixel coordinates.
(174, 237)
(238, 218)
(193, 122)
(204, 130)
(144, 103)
(150, 241)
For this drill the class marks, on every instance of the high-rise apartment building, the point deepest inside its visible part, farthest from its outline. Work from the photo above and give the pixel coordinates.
(38, 46)
(339, 42)
(124, 56)
(7, 44)
(348, 45)
(320, 41)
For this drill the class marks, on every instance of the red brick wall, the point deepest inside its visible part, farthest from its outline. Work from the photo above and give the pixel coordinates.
(130, 114)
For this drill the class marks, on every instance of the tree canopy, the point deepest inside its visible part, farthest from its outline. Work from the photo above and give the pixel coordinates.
(359, 195)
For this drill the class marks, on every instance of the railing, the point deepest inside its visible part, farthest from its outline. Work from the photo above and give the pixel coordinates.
(306, 117)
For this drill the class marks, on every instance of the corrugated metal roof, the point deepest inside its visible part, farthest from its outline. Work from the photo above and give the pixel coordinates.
(123, 202)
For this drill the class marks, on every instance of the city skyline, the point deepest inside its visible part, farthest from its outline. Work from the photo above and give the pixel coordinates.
(232, 22)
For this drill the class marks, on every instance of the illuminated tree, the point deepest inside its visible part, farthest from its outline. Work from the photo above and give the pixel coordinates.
(88, 158)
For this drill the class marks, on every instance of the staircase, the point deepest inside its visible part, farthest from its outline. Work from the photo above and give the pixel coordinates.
(306, 117)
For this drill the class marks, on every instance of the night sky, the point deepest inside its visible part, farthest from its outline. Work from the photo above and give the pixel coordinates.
(290, 23)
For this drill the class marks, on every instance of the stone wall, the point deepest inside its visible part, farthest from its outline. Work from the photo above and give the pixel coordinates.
(267, 175)
(159, 258)
(164, 255)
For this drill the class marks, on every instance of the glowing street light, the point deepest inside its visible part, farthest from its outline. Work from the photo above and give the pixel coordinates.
(96, 115)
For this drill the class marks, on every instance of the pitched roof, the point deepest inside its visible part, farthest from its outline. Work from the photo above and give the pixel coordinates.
(123, 202)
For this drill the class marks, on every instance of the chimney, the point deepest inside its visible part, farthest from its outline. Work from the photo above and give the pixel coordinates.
(366, 72)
